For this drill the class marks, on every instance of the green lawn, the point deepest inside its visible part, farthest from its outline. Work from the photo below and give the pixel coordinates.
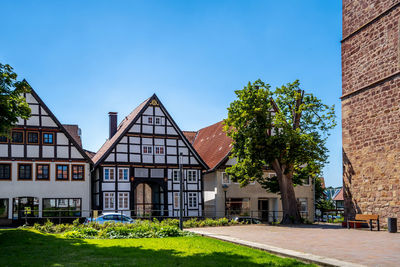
(29, 248)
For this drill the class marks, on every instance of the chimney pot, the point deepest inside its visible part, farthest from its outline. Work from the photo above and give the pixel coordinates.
(113, 123)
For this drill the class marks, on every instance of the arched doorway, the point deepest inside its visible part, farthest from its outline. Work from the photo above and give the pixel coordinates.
(149, 200)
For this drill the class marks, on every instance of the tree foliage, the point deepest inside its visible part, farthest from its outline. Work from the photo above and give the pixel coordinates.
(285, 130)
(12, 101)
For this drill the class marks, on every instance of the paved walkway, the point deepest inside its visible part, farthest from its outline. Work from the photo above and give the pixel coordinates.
(320, 243)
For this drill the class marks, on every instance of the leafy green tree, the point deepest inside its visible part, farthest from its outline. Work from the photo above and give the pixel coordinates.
(285, 130)
(12, 101)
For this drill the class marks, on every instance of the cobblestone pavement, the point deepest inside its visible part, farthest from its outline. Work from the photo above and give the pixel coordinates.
(356, 246)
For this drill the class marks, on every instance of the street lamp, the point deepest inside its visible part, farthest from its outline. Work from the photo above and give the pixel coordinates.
(225, 188)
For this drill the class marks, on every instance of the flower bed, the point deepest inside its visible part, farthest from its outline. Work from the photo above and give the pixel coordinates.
(138, 229)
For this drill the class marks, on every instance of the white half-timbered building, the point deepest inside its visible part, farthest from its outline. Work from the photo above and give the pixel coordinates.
(136, 170)
(44, 172)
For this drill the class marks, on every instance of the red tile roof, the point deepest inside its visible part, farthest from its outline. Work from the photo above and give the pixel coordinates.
(121, 128)
(190, 136)
(212, 144)
(73, 129)
(90, 153)
(339, 196)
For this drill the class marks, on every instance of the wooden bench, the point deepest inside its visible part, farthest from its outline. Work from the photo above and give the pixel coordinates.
(365, 218)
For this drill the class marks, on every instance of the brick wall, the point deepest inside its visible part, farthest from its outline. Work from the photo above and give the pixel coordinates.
(358, 12)
(371, 54)
(371, 108)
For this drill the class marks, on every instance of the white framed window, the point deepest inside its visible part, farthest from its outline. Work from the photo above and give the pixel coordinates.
(123, 174)
(157, 120)
(225, 178)
(109, 174)
(192, 176)
(150, 120)
(306, 181)
(147, 150)
(109, 200)
(159, 150)
(192, 198)
(176, 200)
(123, 200)
(175, 175)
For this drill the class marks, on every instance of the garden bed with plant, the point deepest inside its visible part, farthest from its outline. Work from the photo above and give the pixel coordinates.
(138, 229)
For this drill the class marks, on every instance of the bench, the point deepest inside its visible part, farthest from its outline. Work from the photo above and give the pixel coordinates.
(365, 218)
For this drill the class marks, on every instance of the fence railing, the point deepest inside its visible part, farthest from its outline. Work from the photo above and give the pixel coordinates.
(64, 215)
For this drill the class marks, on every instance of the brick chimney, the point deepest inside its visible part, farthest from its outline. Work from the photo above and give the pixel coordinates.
(113, 123)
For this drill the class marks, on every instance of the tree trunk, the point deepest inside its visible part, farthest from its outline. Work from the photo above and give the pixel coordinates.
(291, 214)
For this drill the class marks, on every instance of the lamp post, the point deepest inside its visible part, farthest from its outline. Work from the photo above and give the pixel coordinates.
(180, 192)
(225, 188)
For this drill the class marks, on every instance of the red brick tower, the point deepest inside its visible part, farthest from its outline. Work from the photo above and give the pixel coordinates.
(371, 107)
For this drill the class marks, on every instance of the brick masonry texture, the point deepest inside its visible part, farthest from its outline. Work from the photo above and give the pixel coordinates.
(371, 116)
(356, 13)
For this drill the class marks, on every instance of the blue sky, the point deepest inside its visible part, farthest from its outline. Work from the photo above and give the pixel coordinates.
(86, 58)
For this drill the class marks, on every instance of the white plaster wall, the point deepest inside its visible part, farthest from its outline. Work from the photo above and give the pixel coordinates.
(30, 99)
(62, 152)
(33, 120)
(75, 153)
(171, 150)
(135, 128)
(171, 130)
(3, 150)
(110, 157)
(32, 151)
(171, 142)
(47, 121)
(148, 111)
(17, 150)
(122, 157)
(48, 151)
(62, 139)
(46, 189)
(108, 186)
(122, 148)
(171, 160)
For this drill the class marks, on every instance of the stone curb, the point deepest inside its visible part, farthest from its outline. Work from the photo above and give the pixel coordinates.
(305, 257)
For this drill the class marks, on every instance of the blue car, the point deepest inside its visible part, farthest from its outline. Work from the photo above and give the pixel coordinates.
(111, 217)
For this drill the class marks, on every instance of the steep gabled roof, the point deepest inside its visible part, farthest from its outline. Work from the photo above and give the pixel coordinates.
(62, 128)
(123, 127)
(213, 145)
(190, 136)
(128, 122)
(339, 195)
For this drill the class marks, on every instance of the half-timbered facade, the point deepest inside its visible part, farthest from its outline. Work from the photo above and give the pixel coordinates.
(44, 172)
(136, 170)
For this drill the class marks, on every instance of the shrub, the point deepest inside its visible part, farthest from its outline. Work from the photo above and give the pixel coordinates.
(73, 234)
(168, 231)
(88, 232)
(48, 227)
(138, 229)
